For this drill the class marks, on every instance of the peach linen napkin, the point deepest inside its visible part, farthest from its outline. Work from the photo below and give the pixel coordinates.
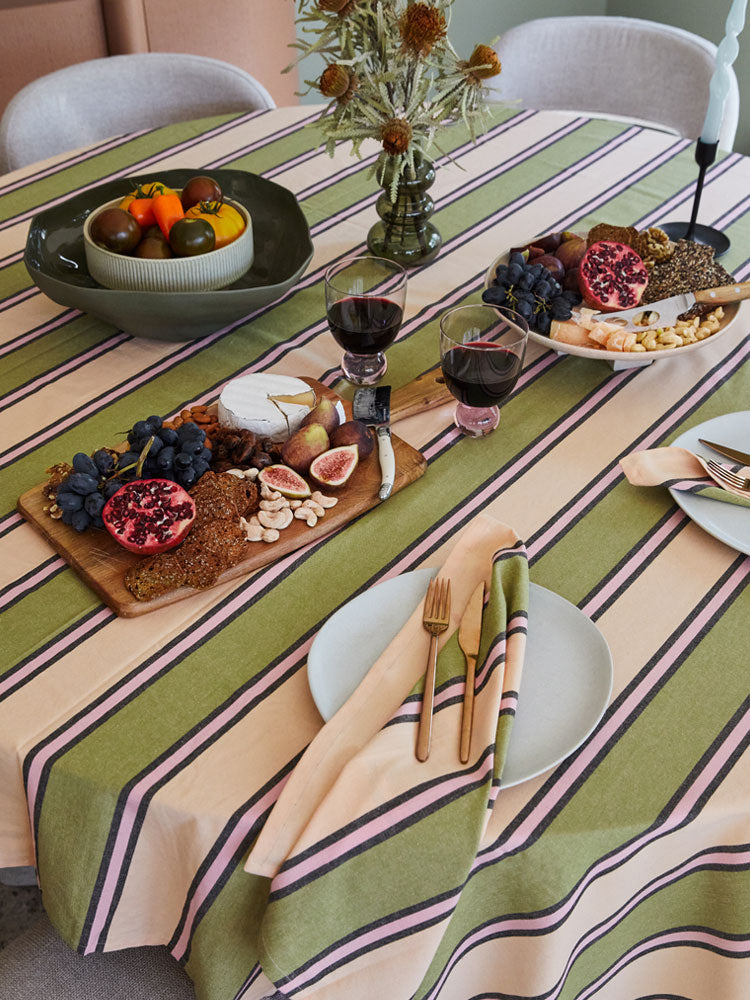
(681, 470)
(367, 848)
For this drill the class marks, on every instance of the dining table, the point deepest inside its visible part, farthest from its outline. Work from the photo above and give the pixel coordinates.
(142, 759)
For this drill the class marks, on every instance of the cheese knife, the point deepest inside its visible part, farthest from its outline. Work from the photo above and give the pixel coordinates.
(373, 407)
(469, 634)
(736, 456)
(665, 312)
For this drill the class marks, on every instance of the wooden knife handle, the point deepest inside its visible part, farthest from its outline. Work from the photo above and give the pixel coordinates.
(467, 717)
(725, 295)
(424, 393)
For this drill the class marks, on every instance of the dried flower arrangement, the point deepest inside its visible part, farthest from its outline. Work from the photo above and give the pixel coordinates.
(392, 75)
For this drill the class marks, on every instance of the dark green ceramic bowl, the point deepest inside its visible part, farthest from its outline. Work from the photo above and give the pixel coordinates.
(55, 260)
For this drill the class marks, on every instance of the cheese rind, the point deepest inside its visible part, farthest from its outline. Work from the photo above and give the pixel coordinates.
(247, 403)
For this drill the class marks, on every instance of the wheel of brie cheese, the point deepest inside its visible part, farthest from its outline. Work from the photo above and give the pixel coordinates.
(271, 406)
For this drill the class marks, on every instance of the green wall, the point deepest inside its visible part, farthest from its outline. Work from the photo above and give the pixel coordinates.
(482, 20)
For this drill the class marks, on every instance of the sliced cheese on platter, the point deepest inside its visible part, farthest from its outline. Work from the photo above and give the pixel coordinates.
(271, 406)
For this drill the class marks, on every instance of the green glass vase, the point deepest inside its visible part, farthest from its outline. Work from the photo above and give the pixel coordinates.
(404, 232)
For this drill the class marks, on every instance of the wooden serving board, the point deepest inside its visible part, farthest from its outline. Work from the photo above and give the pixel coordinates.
(102, 563)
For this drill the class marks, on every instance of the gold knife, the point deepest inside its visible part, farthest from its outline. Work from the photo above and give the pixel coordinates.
(469, 633)
(736, 456)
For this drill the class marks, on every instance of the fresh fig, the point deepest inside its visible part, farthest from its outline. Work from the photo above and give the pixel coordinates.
(570, 282)
(305, 445)
(570, 252)
(549, 243)
(553, 265)
(325, 414)
(285, 481)
(333, 468)
(354, 432)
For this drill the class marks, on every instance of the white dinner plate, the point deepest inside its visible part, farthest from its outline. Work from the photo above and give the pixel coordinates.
(567, 674)
(622, 359)
(725, 521)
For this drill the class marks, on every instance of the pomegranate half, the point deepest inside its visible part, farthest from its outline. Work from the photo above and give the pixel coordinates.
(149, 515)
(611, 276)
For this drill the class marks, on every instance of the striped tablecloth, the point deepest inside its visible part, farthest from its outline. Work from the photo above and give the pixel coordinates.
(140, 759)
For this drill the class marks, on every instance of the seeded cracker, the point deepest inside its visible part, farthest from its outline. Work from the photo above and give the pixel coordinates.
(155, 575)
(691, 268)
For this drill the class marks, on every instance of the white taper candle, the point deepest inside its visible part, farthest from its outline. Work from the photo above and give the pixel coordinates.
(727, 53)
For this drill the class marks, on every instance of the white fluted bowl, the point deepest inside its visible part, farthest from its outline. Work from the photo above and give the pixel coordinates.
(202, 273)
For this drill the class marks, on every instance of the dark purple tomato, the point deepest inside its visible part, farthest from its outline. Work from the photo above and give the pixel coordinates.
(200, 189)
(189, 237)
(152, 248)
(155, 232)
(115, 230)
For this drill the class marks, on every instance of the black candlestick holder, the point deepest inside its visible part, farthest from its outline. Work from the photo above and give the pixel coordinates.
(705, 154)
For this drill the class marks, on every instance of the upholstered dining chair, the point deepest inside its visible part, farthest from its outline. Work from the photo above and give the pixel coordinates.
(618, 67)
(91, 101)
(37, 965)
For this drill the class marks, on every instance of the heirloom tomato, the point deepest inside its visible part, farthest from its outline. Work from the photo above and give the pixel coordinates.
(226, 222)
(200, 189)
(189, 237)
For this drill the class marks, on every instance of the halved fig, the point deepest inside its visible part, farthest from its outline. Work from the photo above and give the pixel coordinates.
(285, 481)
(333, 468)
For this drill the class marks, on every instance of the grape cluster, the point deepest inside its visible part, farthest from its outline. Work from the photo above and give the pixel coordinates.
(532, 291)
(177, 455)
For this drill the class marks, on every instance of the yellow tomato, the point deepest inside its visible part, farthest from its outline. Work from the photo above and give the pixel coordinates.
(226, 222)
(147, 190)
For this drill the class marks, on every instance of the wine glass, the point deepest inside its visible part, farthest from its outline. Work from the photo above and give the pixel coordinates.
(481, 353)
(365, 298)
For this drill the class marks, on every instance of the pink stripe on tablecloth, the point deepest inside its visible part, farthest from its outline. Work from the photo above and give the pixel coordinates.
(58, 321)
(379, 826)
(54, 649)
(32, 581)
(59, 370)
(641, 556)
(222, 859)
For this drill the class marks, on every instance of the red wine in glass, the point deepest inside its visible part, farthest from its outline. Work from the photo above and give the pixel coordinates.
(481, 374)
(362, 324)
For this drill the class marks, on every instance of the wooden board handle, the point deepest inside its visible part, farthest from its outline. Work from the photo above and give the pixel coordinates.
(725, 295)
(424, 393)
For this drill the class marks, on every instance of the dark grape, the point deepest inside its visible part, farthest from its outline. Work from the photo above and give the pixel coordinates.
(526, 281)
(514, 272)
(561, 308)
(555, 287)
(192, 447)
(80, 520)
(110, 488)
(153, 424)
(67, 516)
(70, 501)
(543, 322)
(572, 296)
(140, 429)
(81, 482)
(98, 521)
(501, 271)
(182, 461)
(496, 296)
(537, 270)
(166, 457)
(94, 503)
(156, 446)
(150, 469)
(205, 454)
(542, 288)
(168, 435)
(187, 477)
(129, 458)
(525, 309)
(82, 463)
(104, 461)
(64, 487)
(200, 466)
(516, 258)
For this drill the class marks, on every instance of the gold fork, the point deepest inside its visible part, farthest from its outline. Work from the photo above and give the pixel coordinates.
(437, 611)
(728, 477)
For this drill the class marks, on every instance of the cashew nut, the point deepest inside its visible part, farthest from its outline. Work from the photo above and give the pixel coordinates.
(314, 506)
(294, 504)
(278, 519)
(251, 473)
(308, 515)
(253, 532)
(270, 535)
(274, 504)
(236, 472)
(323, 500)
(267, 493)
